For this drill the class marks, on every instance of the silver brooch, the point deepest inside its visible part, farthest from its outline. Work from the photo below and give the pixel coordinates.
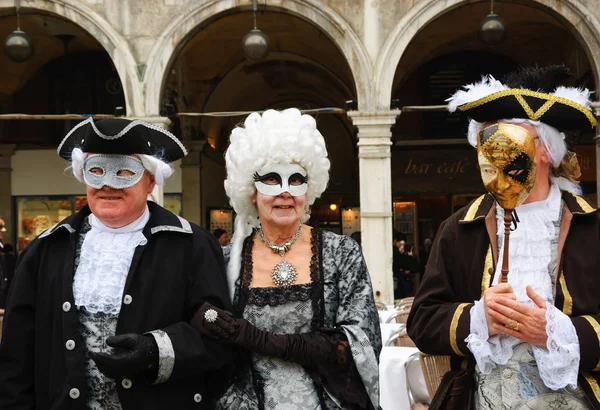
(210, 315)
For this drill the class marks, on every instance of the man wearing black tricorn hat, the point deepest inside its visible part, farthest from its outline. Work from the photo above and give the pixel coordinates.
(533, 340)
(97, 313)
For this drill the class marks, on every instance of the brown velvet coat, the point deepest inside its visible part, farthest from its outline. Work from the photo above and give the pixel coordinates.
(461, 266)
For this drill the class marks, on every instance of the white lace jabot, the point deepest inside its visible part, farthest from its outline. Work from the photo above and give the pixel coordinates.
(104, 262)
(533, 250)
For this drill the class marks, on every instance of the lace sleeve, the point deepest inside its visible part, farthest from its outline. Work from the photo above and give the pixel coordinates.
(488, 351)
(477, 341)
(558, 363)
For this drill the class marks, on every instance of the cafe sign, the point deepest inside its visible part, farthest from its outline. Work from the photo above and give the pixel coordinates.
(435, 171)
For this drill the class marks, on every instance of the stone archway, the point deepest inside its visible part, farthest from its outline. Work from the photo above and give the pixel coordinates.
(114, 44)
(323, 17)
(573, 12)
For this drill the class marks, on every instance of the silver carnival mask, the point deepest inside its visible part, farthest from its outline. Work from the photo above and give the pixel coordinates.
(112, 170)
(275, 179)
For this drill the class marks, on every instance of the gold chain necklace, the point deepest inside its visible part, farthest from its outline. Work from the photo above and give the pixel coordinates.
(284, 273)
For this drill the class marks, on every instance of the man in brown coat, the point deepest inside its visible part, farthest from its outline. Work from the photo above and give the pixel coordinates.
(533, 341)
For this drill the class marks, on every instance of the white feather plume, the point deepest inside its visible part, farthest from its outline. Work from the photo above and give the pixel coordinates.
(473, 92)
(579, 95)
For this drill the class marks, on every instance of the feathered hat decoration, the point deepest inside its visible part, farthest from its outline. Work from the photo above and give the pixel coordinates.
(531, 93)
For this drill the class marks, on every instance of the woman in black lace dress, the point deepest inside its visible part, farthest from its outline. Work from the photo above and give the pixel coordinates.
(305, 313)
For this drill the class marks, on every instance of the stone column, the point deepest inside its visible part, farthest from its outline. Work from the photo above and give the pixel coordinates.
(6, 152)
(374, 154)
(191, 182)
(157, 194)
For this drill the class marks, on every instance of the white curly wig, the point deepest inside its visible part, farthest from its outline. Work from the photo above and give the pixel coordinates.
(275, 137)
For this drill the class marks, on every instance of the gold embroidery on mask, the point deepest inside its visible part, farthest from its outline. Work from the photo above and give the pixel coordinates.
(506, 155)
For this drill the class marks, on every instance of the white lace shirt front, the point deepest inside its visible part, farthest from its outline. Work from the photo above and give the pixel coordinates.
(105, 258)
(533, 249)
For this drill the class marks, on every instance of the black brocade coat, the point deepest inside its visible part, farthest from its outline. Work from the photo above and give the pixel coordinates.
(180, 267)
(461, 266)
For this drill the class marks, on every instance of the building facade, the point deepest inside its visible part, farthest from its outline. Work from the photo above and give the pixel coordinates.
(398, 162)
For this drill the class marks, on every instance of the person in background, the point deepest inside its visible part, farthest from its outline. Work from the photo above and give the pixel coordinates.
(404, 267)
(98, 309)
(357, 237)
(222, 236)
(305, 313)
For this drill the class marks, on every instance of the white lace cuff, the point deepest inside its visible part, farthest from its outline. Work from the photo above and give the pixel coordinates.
(558, 363)
(477, 341)
(166, 356)
(488, 351)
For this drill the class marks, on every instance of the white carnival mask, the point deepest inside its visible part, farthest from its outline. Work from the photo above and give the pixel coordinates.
(275, 179)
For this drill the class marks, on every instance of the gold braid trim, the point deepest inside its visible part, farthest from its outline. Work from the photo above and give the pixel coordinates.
(454, 326)
(585, 207)
(593, 385)
(568, 168)
(518, 93)
(596, 327)
(568, 303)
(488, 269)
(470, 215)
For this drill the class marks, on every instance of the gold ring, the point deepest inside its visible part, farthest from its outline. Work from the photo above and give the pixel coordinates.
(516, 328)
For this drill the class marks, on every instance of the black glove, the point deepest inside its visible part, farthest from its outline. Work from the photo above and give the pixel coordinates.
(324, 351)
(313, 349)
(133, 354)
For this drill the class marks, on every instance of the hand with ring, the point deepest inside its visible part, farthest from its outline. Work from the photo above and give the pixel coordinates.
(526, 323)
(214, 322)
(489, 295)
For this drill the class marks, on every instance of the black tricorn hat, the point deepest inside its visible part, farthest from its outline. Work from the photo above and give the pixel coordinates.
(532, 93)
(122, 136)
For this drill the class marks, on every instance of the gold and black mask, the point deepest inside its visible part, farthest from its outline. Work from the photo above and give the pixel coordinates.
(506, 155)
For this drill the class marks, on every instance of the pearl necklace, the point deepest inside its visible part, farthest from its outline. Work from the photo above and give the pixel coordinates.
(284, 273)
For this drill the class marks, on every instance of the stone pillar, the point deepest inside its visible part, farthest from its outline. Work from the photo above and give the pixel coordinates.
(596, 108)
(374, 154)
(157, 194)
(191, 182)
(6, 152)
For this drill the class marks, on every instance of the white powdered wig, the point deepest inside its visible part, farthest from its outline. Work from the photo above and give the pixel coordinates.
(472, 92)
(553, 140)
(160, 169)
(275, 137)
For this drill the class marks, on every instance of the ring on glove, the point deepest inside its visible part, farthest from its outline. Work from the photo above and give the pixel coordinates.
(210, 315)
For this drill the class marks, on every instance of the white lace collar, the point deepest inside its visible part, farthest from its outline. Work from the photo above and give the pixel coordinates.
(104, 262)
(531, 245)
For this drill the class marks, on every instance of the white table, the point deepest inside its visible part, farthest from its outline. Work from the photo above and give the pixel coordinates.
(392, 378)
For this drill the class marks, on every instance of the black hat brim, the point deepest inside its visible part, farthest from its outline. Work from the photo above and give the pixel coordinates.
(122, 136)
(560, 113)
